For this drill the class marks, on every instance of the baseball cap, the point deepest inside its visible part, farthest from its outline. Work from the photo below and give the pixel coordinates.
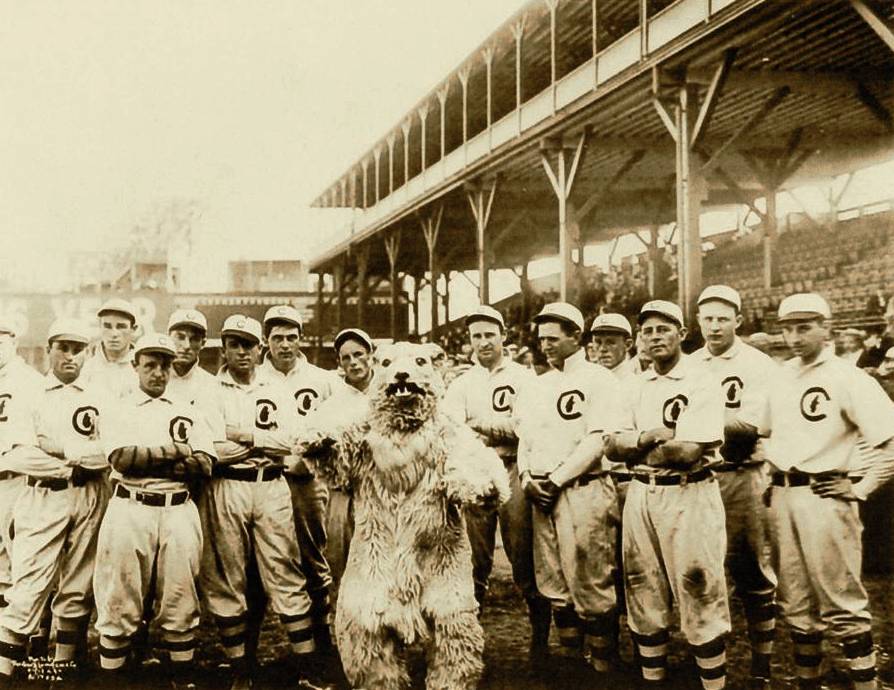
(890, 353)
(284, 313)
(243, 326)
(669, 310)
(723, 293)
(856, 332)
(70, 330)
(804, 305)
(561, 311)
(760, 339)
(188, 317)
(611, 323)
(353, 334)
(486, 313)
(116, 305)
(155, 342)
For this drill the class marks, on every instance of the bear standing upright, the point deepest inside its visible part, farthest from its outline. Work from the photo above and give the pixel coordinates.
(412, 470)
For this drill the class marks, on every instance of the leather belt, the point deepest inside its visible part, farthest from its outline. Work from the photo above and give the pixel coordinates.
(735, 467)
(249, 474)
(157, 499)
(53, 484)
(673, 479)
(621, 477)
(805, 478)
(7, 475)
(585, 479)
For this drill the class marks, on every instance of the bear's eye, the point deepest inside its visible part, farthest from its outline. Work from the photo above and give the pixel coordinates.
(386, 362)
(421, 361)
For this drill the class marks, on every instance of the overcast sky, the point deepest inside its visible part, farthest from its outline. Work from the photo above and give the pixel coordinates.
(109, 109)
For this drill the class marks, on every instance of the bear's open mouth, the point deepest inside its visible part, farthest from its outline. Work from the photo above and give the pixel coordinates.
(403, 389)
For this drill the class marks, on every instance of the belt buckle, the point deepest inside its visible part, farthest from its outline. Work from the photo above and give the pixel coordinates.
(259, 476)
(652, 482)
(169, 499)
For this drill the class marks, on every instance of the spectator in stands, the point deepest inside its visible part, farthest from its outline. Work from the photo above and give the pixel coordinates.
(851, 345)
(761, 341)
(877, 303)
(885, 373)
(878, 346)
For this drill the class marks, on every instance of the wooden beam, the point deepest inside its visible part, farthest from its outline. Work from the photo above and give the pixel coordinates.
(733, 185)
(875, 106)
(876, 23)
(392, 248)
(593, 201)
(712, 97)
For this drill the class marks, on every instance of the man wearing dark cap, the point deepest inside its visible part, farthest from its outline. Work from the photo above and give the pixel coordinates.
(674, 536)
(484, 397)
(744, 374)
(561, 418)
(308, 385)
(110, 368)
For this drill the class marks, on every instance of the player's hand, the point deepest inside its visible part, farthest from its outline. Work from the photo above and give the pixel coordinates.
(50, 447)
(238, 435)
(654, 437)
(542, 493)
(655, 458)
(834, 487)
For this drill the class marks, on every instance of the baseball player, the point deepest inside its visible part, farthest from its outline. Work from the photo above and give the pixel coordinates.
(151, 531)
(307, 385)
(743, 374)
(188, 328)
(348, 402)
(818, 405)
(484, 398)
(57, 515)
(20, 389)
(561, 417)
(247, 509)
(109, 369)
(674, 539)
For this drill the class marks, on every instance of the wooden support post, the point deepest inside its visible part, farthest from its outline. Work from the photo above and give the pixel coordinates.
(405, 128)
(416, 286)
(770, 233)
(392, 248)
(876, 23)
(362, 283)
(377, 157)
(339, 274)
(391, 141)
(365, 165)
(518, 32)
(481, 199)
(562, 180)
(423, 114)
(552, 5)
(431, 226)
(443, 92)
(321, 325)
(463, 76)
(488, 55)
(446, 294)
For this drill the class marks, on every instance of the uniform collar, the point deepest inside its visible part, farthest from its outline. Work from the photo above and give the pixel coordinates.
(226, 378)
(622, 366)
(677, 373)
(141, 398)
(575, 361)
(504, 362)
(729, 353)
(52, 382)
(827, 354)
(101, 353)
(300, 361)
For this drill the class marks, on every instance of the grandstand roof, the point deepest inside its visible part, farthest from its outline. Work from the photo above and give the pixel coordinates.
(809, 94)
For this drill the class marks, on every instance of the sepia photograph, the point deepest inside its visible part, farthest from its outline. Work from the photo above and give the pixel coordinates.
(403, 345)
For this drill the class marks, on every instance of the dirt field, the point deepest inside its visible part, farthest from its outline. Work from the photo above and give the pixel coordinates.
(505, 623)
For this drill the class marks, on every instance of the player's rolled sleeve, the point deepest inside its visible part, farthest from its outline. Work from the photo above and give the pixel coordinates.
(870, 409)
(702, 420)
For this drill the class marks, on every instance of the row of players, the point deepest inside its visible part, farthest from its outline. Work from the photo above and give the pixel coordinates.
(679, 464)
(137, 469)
(722, 461)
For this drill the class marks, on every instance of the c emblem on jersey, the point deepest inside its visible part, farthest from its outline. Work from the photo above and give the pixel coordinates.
(84, 420)
(265, 414)
(501, 400)
(732, 392)
(568, 404)
(813, 403)
(180, 428)
(307, 400)
(673, 408)
(4, 398)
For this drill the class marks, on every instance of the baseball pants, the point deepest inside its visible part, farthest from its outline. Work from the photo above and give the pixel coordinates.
(310, 497)
(9, 493)
(749, 558)
(674, 542)
(574, 562)
(242, 517)
(135, 542)
(817, 552)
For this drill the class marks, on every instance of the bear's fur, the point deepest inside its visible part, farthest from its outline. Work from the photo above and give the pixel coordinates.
(408, 579)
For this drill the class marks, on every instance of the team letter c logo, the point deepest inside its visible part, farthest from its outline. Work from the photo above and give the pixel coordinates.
(84, 420)
(265, 414)
(813, 403)
(501, 398)
(673, 408)
(180, 428)
(568, 403)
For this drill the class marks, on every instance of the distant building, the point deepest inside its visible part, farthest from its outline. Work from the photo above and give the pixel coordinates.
(267, 276)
